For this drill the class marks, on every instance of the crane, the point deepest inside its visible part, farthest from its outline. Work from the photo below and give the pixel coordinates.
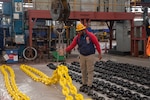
(60, 11)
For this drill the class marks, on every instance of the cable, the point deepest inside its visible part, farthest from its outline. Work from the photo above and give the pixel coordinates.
(59, 27)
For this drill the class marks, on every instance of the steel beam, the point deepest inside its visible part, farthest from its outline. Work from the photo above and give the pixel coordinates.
(77, 15)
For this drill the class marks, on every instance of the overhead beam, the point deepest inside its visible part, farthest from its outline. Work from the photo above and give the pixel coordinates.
(102, 15)
(77, 15)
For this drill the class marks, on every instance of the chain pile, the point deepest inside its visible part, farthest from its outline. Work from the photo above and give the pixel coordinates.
(39, 76)
(59, 75)
(9, 78)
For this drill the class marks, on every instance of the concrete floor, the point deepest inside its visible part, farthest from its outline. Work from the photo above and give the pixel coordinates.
(39, 91)
(35, 90)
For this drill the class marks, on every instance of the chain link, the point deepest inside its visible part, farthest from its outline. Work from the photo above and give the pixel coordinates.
(10, 84)
(59, 75)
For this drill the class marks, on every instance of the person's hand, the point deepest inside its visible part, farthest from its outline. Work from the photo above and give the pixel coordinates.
(61, 52)
(100, 56)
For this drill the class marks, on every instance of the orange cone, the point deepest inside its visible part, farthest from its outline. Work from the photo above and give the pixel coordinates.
(148, 47)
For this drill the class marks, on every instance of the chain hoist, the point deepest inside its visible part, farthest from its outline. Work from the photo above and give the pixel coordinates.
(60, 29)
(10, 84)
(60, 11)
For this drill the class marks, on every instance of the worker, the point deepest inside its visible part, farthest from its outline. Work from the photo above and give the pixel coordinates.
(147, 24)
(148, 47)
(86, 42)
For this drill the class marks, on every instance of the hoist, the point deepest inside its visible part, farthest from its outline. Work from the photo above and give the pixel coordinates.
(60, 11)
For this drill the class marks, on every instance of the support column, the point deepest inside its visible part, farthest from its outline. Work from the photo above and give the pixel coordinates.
(132, 35)
(111, 33)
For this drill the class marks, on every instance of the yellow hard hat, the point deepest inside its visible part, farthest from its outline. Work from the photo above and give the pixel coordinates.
(80, 27)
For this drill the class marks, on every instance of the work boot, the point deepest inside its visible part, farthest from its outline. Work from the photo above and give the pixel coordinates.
(82, 88)
(88, 89)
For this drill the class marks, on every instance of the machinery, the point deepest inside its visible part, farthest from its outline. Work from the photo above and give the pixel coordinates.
(60, 12)
(13, 30)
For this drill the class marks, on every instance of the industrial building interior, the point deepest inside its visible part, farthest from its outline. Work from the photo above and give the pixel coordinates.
(32, 32)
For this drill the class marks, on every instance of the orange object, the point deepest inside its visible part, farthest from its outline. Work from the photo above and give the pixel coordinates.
(80, 27)
(148, 47)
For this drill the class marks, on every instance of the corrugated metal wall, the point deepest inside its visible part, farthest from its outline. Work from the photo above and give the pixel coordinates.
(122, 36)
(42, 4)
(88, 5)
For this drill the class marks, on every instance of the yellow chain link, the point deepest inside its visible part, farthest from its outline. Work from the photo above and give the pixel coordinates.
(59, 75)
(63, 72)
(39, 76)
(10, 84)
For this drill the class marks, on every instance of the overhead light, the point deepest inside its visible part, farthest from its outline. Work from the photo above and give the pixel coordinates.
(138, 19)
(28, 5)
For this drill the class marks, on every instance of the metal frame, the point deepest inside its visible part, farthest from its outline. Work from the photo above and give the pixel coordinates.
(86, 17)
(135, 41)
